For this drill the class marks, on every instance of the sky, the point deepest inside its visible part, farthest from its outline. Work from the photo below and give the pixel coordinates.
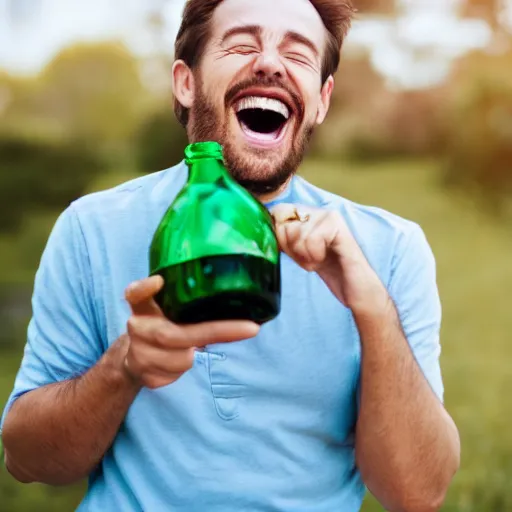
(411, 51)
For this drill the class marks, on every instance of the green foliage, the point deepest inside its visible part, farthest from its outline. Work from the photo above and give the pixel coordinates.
(94, 91)
(36, 175)
(479, 136)
(160, 141)
(60, 129)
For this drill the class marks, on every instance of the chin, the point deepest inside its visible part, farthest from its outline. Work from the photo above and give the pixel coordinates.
(261, 171)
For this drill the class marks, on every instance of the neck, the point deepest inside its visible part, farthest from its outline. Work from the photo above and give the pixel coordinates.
(267, 198)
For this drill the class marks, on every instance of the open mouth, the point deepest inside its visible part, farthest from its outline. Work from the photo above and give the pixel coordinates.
(262, 119)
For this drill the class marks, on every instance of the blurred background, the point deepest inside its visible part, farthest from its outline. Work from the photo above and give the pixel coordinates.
(421, 124)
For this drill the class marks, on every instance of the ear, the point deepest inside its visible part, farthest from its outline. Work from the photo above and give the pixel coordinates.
(325, 100)
(183, 83)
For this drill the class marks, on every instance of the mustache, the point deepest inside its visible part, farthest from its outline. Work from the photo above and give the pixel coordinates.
(265, 81)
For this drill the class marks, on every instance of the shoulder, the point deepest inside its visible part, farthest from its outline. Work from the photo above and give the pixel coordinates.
(131, 196)
(365, 221)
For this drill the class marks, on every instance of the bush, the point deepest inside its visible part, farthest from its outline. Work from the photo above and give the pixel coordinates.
(38, 175)
(479, 141)
(160, 142)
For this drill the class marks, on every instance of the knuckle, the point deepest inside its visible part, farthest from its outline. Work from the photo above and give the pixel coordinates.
(132, 325)
(162, 334)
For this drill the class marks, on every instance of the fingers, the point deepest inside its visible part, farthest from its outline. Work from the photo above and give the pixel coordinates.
(140, 296)
(310, 241)
(160, 332)
(304, 233)
(288, 224)
(145, 360)
(284, 212)
(209, 333)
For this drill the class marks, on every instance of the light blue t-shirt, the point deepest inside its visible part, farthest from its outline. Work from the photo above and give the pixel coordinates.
(261, 425)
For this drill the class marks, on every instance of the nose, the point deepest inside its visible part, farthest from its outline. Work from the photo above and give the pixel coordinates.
(269, 63)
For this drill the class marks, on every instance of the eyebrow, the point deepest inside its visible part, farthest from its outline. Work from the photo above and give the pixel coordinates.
(299, 38)
(255, 30)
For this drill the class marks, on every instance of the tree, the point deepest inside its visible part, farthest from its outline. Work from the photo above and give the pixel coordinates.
(95, 93)
(479, 135)
(487, 10)
(59, 129)
(491, 11)
(160, 141)
(39, 175)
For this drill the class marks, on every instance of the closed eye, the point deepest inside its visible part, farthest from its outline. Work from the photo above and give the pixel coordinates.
(243, 49)
(297, 57)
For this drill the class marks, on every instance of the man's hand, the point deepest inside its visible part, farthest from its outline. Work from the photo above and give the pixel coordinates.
(320, 241)
(160, 352)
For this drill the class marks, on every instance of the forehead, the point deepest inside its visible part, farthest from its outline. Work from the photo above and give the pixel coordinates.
(275, 17)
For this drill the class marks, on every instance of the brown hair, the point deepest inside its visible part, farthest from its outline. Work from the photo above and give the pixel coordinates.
(194, 33)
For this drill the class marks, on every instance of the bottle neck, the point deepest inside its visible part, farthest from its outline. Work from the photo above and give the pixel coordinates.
(207, 170)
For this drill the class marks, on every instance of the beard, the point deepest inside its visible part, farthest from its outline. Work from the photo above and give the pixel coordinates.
(258, 170)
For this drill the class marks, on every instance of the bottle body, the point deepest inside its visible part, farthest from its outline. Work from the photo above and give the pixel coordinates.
(216, 248)
(226, 287)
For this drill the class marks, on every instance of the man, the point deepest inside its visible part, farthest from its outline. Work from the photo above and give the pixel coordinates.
(342, 390)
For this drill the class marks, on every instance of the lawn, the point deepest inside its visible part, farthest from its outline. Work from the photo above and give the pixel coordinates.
(475, 279)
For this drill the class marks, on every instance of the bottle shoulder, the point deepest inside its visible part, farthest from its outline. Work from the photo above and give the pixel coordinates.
(207, 220)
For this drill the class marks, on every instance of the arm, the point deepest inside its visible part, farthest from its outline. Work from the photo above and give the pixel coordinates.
(407, 446)
(63, 343)
(58, 434)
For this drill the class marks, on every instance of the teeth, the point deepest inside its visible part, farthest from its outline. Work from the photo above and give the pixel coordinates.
(264, 104)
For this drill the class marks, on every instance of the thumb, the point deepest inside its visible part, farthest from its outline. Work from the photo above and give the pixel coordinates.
(140, 296)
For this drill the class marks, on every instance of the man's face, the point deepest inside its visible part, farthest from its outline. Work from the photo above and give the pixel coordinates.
(258, 89)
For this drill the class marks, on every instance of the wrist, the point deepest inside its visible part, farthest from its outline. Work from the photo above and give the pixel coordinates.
(366, 295)
(118, 367)
(374, 304)
(376, 321)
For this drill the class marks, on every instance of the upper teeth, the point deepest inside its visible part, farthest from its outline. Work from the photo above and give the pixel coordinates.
(263, 103)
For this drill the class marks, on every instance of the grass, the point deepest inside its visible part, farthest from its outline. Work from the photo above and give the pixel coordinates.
(475, 279)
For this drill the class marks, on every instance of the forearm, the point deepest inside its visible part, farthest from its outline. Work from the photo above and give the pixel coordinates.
(407, 446)
(59, 433)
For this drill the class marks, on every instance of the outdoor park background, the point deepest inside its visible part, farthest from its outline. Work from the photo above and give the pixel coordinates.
(421, 124)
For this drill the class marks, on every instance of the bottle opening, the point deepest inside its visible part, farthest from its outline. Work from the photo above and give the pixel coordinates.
(203, 150)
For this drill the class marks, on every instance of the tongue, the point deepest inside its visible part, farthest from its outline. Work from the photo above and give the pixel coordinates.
(260, 136)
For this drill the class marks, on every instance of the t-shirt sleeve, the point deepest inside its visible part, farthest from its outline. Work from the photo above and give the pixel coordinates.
(413, 287)
(63, 339)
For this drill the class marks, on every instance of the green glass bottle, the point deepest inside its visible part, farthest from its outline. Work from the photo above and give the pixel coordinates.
(216, 248)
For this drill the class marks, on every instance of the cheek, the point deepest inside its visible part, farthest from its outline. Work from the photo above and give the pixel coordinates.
(221, 74)
(310, 92)
(213, 84)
